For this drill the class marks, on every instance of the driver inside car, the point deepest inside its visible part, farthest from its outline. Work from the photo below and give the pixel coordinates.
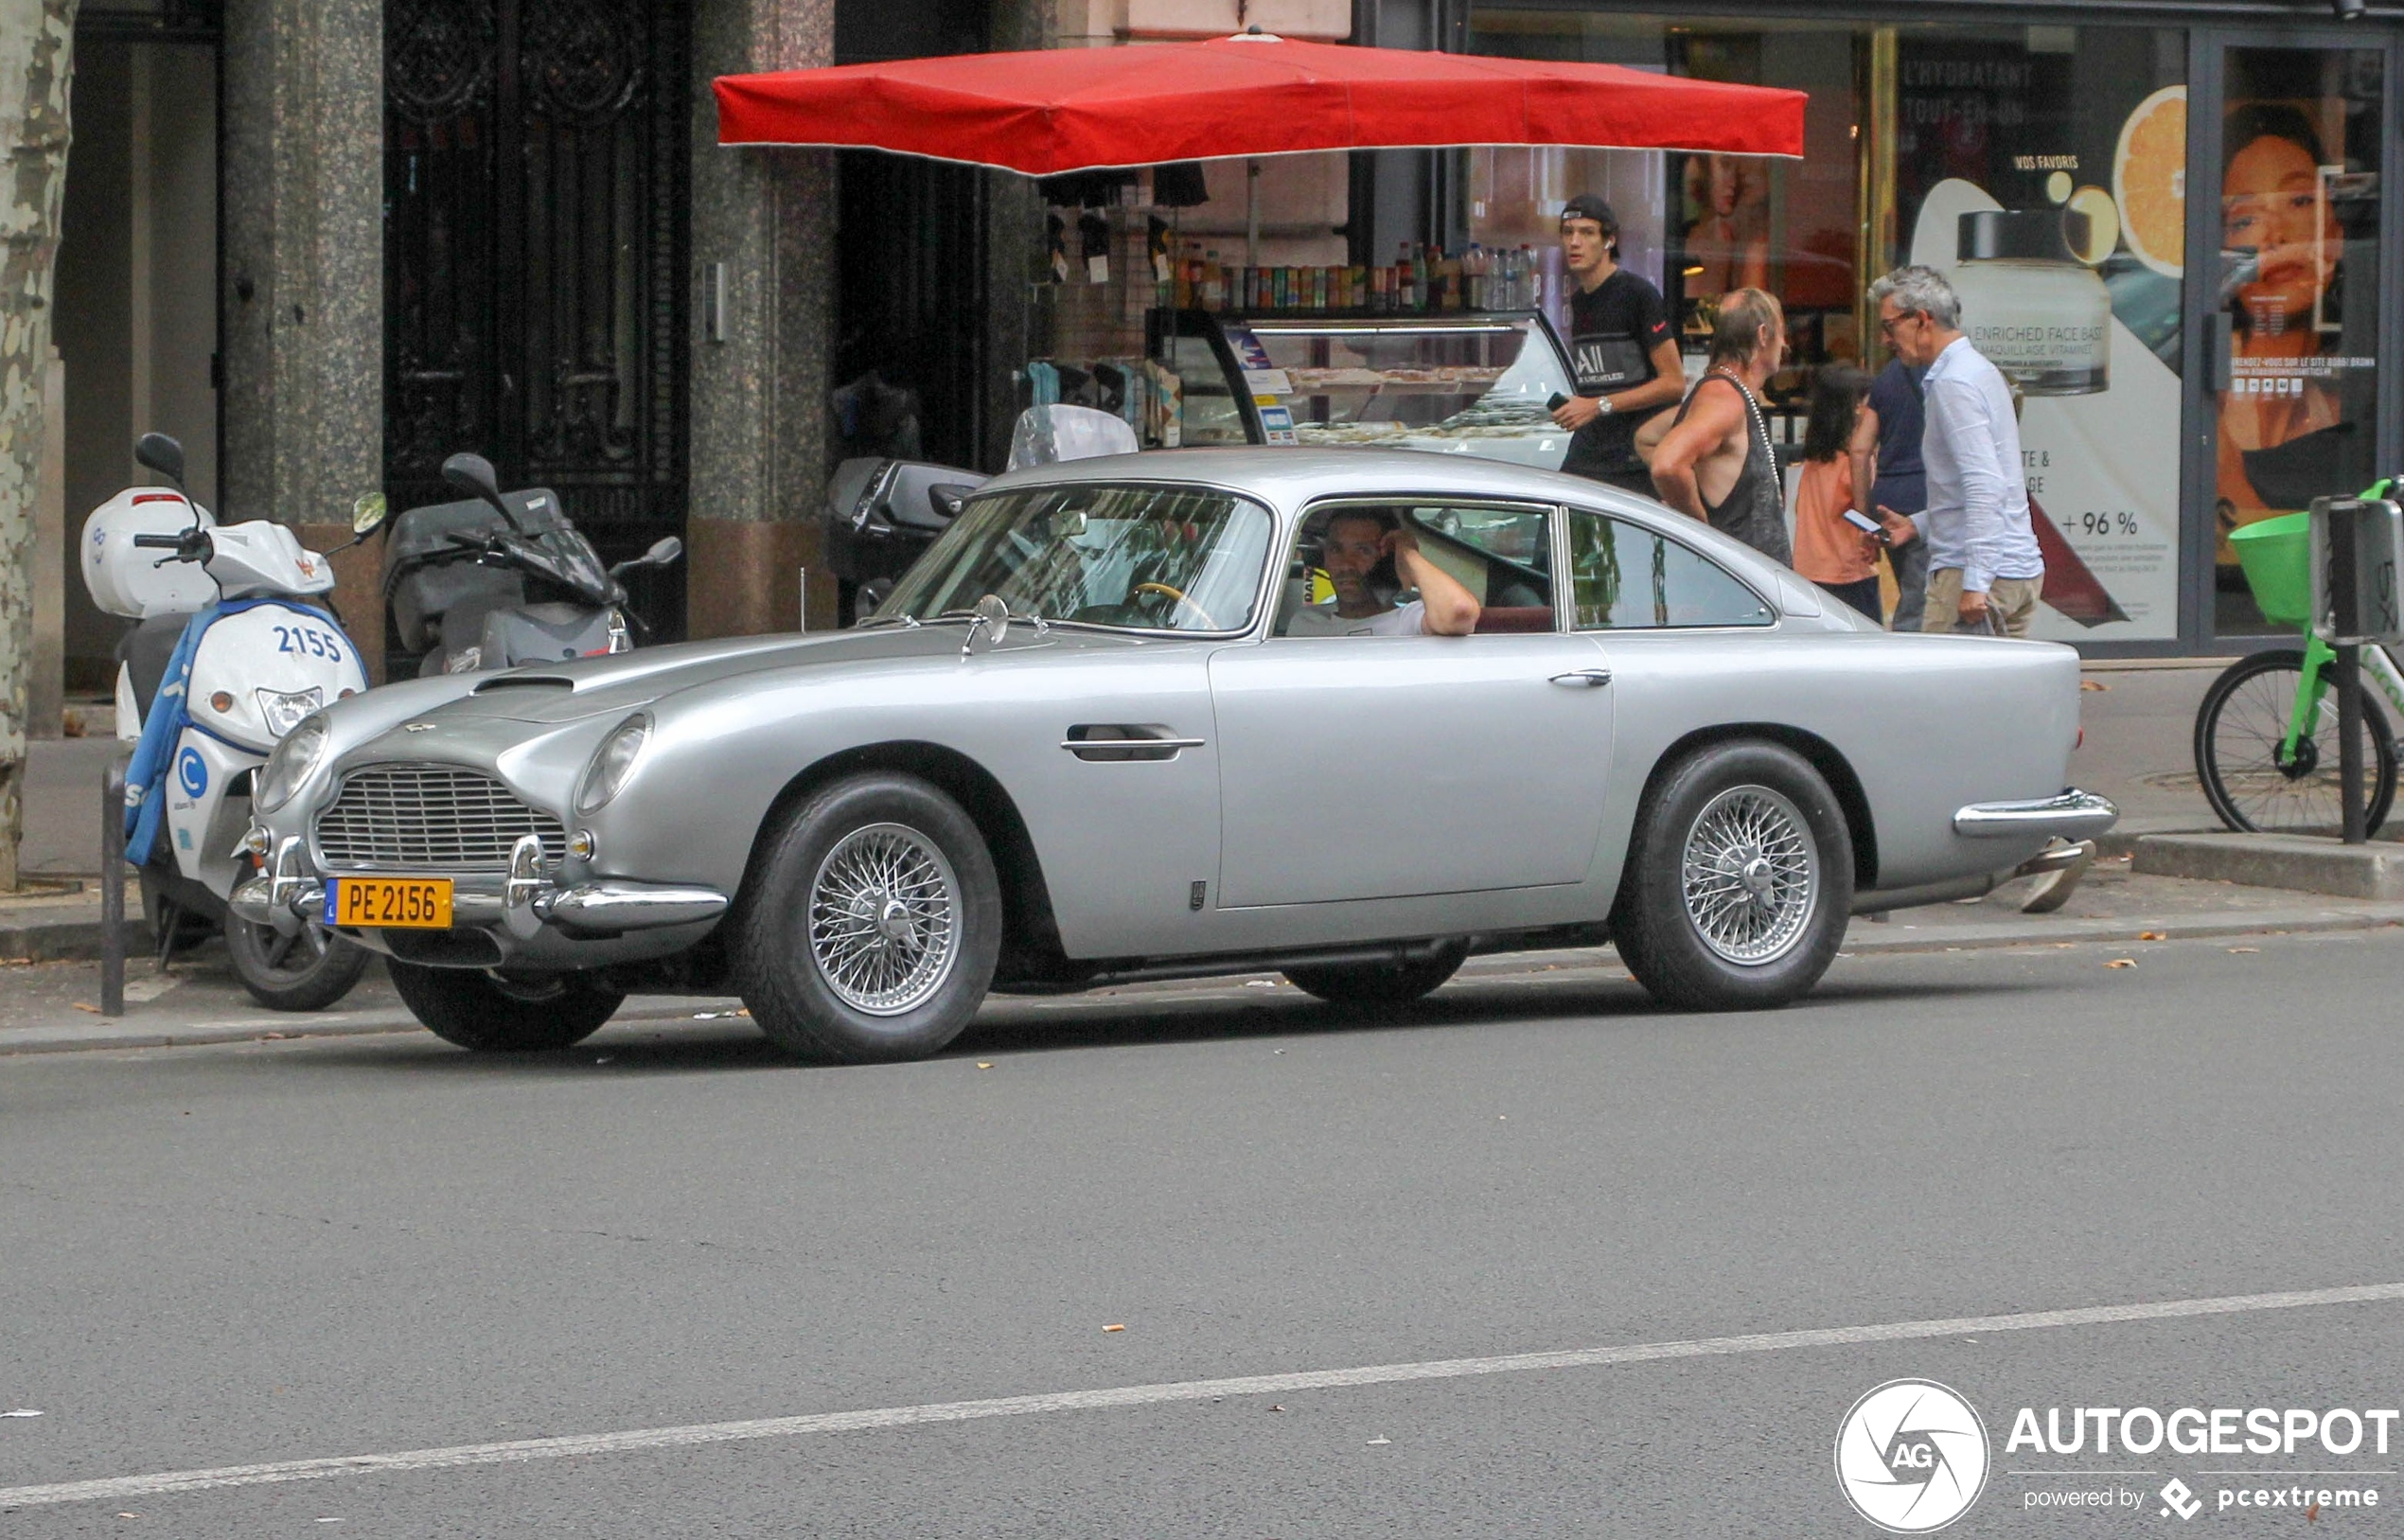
(1356, 543)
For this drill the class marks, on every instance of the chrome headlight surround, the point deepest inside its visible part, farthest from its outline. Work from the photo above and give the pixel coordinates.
(284, 710)
(612, 762)
(295, 759)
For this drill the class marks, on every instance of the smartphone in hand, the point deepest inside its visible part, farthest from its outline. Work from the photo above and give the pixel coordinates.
(1866, 524)
(1558, 402)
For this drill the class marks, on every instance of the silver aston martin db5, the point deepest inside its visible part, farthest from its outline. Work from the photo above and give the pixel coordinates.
(1352, 715)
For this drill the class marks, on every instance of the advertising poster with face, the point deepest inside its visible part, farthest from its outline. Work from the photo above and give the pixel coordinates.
(2298, 276)
(2045, 177)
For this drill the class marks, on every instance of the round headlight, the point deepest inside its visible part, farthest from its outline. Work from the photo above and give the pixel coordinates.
(612, 762)
(295, 760)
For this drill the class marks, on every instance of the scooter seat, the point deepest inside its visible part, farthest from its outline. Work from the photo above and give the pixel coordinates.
(145, 650)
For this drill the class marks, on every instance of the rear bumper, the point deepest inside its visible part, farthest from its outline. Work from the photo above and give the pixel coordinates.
(2072, 815)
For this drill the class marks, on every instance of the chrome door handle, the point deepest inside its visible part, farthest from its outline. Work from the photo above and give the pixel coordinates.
(1585, 679)
(1073, 745)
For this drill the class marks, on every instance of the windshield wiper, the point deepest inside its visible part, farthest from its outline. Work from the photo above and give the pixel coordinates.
(910, 621)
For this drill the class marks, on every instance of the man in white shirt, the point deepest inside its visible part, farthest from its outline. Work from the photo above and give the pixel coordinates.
(1984, 567)
(1354, 542)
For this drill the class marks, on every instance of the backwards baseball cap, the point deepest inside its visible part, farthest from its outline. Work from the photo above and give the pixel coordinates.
(1587, 206)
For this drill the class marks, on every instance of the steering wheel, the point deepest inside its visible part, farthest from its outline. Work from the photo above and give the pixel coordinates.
(1177, 596)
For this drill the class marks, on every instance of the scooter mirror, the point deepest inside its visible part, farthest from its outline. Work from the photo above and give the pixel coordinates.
(664, 552)
(367, 514)
(475, 473)
(162, 454)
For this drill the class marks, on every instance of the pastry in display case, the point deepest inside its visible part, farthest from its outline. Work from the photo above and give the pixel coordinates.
(1479, 384)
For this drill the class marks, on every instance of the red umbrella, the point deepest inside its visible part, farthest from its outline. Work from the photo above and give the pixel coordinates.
(1059, 110)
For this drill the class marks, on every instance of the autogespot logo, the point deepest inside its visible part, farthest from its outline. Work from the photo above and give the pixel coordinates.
(1911, 1456)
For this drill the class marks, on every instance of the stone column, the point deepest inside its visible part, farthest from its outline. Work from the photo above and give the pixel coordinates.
(758, 472)
(303, 274)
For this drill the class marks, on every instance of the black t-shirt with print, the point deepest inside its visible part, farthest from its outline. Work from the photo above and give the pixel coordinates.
(1613, 329)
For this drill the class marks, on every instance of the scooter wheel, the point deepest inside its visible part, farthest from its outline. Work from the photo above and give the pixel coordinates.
(306, 971)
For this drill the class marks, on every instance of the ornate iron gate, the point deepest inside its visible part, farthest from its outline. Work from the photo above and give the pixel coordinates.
(535, 157)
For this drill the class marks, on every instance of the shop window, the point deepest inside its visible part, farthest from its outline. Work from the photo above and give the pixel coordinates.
(2041, 167)
(1624, 578)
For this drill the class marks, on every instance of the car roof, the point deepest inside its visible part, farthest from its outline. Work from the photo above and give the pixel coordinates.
(1291, 479)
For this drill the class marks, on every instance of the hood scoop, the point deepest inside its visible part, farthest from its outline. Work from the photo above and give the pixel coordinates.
(527, 682)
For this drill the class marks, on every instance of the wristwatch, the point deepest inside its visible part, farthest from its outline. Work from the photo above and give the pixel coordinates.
(1603, 406)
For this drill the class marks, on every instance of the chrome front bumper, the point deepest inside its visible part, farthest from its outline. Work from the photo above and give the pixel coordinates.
(523, 902)
(2072, 815)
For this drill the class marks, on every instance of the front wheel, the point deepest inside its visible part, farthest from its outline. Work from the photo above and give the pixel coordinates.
(2254, 785)
(870, 924)
(491, 1014)
(1739, 881)
(306, 971)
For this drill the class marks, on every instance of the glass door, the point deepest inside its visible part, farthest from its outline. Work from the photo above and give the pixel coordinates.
(2298, 156)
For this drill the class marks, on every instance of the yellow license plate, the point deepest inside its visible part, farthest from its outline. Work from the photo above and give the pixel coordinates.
(389, 903)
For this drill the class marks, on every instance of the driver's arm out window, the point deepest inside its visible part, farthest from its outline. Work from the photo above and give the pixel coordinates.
(1625, 577)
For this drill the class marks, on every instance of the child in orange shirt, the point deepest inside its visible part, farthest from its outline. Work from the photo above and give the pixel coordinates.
(1827, 550)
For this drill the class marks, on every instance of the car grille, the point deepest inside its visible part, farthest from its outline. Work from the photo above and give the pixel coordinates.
(425, 818)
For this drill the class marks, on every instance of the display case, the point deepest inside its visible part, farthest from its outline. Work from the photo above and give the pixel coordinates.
(1469, 383)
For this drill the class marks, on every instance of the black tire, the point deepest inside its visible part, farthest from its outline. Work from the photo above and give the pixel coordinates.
(1768, 943)
(2240, 728)
(838, 968)
(304, 972)
(1377, 983)
(492, 1015)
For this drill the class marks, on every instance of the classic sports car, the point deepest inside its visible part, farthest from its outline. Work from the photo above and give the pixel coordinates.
(1112, 727)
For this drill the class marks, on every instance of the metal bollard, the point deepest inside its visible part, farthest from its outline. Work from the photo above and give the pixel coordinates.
(112, 887)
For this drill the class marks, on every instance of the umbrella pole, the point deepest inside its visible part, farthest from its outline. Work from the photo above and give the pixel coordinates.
(1251, 213)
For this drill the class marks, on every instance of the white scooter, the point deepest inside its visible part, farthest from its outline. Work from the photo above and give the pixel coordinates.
(226, 658)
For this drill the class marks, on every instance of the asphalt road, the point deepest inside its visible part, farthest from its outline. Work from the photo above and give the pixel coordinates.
(269, 1252)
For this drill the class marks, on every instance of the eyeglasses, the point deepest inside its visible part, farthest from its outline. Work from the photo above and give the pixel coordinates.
(1886, 323)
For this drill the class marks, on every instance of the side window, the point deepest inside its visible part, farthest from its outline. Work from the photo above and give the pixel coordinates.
(1342, 579)
(1625, 577)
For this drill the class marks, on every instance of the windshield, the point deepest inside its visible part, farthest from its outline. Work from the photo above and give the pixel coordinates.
(1173, 558)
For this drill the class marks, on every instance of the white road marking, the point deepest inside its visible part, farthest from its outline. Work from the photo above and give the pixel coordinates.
(516, 1450)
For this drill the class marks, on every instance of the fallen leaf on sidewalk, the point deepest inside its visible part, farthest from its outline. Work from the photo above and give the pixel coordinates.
(1277, 1409)
(2122, 963)
(2095, 684)
(2153, 935)
(1120, 1328)
(985, 1064)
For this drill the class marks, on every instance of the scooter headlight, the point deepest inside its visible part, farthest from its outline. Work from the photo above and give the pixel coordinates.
(284, 708)
(612, 762)
(295, 760)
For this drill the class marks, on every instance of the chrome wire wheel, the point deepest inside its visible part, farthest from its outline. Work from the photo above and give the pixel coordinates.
(1751, 876)
(884, 919)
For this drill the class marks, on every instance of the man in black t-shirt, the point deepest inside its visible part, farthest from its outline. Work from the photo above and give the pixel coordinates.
(1621, 348)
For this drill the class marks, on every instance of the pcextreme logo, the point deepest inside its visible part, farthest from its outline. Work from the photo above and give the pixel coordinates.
(1911, 1455)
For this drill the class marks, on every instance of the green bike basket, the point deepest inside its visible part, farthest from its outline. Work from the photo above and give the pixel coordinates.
(2276, 554)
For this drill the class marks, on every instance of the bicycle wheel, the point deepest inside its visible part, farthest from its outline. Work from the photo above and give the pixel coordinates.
(2240, 728)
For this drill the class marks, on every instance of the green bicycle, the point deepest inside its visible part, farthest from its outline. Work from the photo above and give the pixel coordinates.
(2266, 739)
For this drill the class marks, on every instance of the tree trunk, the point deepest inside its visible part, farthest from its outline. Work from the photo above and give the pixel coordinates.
(37, 68)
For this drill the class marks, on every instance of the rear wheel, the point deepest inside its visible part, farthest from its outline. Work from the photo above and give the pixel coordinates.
(306, 971)
(2251, 783)
(491, 1014)
(1396, 982)
(1739, 881)
(869, 928)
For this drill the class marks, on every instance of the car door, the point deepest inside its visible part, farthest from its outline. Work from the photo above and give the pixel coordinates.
(1386, 767)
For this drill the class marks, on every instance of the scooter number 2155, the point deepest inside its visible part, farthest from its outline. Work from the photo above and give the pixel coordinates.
(307, 642)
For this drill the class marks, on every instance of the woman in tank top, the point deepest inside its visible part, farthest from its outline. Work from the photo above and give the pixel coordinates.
(1715, 463)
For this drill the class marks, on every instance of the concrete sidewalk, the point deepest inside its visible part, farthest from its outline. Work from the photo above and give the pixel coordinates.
(51, 1007)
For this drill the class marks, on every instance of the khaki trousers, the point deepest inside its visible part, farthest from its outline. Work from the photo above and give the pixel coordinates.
(2010, 600)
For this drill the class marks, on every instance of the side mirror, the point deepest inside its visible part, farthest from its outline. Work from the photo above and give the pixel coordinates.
(368, 514)
(475, 473)
(162, 454)
(664, 553)
(947, 498)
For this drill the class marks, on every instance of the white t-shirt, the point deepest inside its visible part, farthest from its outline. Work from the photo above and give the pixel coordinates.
(1323, 620)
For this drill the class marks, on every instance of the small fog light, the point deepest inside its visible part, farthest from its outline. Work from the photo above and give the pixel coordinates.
(582, 845)
(256, 843)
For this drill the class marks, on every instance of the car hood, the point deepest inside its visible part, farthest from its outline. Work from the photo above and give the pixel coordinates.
(595, 686)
